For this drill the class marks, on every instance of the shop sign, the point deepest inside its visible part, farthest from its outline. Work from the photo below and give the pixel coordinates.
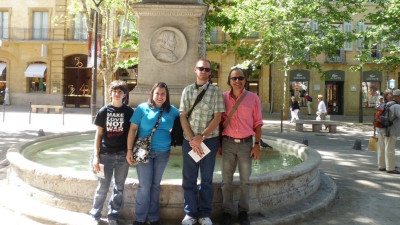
(299, 75)
(334, 75)
(371, 76)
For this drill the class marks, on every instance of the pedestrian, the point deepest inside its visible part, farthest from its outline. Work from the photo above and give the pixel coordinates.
(386, 154)
(241, 122)
(294, 109)
(110, 146)
(321, 109)
(308, 103)
(147, 205)
(200, 127)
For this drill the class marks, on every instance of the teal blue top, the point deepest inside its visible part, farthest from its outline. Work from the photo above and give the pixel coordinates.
(145, 118)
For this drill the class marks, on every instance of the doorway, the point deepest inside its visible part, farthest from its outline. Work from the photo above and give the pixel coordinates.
(334, 97)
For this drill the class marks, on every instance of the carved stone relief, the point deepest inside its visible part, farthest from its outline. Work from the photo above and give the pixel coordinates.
(168, 45)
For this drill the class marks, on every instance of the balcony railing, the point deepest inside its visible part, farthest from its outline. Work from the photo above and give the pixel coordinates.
(44, 34)
(340, 57)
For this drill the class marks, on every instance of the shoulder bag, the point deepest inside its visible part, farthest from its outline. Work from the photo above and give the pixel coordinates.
(143, 145)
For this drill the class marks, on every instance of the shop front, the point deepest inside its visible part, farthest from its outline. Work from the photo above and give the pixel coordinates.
(77, 81)
(299, 85)
(334, 91)
(371, 88)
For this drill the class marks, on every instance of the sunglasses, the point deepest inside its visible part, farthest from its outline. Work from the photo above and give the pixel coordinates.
(204, 68)
(236, 78)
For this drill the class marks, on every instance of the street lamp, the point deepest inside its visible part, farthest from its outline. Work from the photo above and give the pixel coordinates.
(94, 70)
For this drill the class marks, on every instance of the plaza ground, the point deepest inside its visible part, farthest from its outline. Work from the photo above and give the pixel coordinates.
(365, 195)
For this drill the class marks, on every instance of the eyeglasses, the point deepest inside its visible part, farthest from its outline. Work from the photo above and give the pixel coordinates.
(237, 78)
(204, 68)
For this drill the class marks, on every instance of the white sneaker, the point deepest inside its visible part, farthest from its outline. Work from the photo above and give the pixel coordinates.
(205, 221)
(188, 220)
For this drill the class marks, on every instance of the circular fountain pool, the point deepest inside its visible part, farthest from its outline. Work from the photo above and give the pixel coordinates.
(56, 170)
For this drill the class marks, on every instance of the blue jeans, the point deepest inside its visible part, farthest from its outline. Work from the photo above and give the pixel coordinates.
(198, 200)
(147, 205)
(113, 164)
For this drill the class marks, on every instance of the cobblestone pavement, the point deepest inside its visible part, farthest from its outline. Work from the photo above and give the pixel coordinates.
(365, 195)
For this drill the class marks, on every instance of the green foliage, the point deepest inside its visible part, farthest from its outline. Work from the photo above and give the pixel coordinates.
(384, 33)
(286, 29)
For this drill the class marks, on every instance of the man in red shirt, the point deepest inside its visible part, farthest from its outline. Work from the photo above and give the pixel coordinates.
(238, 148)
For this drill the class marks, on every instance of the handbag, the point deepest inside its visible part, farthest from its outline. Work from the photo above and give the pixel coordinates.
(143, 145)
(373, 143)
(177, 131)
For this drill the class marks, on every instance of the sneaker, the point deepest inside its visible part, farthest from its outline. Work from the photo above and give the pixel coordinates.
(112, 222)
(155, 223)
(188, 220)
(226, 219)
(243, 218)
(382, 169)
(205, 221)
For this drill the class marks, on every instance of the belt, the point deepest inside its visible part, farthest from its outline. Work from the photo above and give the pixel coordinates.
(239, 140)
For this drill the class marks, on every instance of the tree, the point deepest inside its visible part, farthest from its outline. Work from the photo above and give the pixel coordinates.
(293, 31)
(383, 36)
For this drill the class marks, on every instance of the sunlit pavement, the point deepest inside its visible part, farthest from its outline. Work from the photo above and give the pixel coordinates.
(365, 195)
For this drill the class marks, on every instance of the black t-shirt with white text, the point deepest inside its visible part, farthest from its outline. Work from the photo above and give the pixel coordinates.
(115, 122)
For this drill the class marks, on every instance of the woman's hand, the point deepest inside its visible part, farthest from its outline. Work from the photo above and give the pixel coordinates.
(129, 157)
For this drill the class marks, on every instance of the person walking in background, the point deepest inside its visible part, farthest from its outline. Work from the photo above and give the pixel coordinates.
(238, 149)
(308, 103)
(200, 127)
(147, 205)
(110, 145)
(386, 150)
(321, 109)
(294, 110)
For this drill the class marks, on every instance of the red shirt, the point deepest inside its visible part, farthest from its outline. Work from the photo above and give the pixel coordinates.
(246, 117)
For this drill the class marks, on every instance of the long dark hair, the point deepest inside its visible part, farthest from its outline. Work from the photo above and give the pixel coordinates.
(166, 106)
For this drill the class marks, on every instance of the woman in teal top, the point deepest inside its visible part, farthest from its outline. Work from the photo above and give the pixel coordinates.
(147, 206)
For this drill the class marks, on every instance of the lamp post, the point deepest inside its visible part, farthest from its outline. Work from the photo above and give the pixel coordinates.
(94, 70)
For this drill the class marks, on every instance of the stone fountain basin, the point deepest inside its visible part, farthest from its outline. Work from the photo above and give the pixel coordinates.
(74, 191)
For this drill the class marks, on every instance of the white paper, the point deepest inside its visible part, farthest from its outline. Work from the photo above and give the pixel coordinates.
(195, 156)
(100, 174)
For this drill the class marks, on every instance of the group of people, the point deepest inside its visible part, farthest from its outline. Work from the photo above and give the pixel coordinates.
(387, 136)
(118, 125)
(321, 111)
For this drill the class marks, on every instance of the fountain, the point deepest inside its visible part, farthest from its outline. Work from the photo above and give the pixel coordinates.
(72, 187)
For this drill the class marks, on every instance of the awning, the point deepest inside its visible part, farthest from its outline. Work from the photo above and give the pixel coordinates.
(2, 67)
(35, 70)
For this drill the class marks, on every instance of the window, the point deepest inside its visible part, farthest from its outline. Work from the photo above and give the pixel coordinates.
(80, 28)
(40, 25)
(128, 28)
(361, 27)
(348, 45)
(370, 93)
(4, 24)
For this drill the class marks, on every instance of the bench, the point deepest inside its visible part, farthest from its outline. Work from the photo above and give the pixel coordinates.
(317, 125)
(46, 108)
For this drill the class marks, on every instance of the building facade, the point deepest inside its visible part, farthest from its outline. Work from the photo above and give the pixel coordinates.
(44, 60)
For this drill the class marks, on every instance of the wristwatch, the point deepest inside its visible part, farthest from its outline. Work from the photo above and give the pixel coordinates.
(256, 142)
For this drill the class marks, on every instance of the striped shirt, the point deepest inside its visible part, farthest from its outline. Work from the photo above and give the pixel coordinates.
(202, 114)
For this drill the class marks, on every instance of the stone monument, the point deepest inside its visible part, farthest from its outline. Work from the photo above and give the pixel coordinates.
(169, 42)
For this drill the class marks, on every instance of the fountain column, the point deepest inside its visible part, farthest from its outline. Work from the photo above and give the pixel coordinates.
(169, 42)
